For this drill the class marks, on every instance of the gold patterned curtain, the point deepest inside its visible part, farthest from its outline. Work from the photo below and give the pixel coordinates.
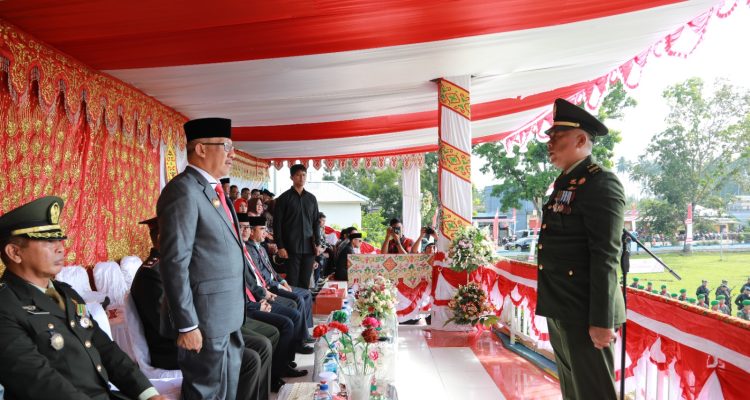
(109, 181)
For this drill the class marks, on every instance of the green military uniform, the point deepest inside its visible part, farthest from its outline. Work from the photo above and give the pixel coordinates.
(50, 347)
(744, 312)
(578, 257)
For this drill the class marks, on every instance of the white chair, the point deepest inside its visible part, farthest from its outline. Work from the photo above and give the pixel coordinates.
(77, 277)
(109, 280)
(129, 266)
(167, 382)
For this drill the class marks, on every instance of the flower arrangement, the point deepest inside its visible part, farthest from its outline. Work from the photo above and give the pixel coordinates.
(377, 298)
(354, 356)
(470, 249)
(470, 307)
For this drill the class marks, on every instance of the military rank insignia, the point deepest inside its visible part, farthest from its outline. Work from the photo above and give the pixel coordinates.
(563, 200)
(216, 202)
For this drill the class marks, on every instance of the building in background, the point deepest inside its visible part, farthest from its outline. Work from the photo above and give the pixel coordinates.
(341, 205)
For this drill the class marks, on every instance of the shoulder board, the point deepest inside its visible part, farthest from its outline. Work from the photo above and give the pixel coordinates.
(63, 284)
(593, 169)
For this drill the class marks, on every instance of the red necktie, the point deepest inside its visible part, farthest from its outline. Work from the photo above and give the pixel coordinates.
(255, 270)
(223, 200)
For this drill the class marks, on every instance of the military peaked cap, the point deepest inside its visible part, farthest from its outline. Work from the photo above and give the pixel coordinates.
(567, 115)
(39, 219)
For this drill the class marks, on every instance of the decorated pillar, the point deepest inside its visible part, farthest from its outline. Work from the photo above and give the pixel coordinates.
(454, 182)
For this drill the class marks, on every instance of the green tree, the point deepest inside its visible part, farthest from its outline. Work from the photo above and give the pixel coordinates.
(373, 227)
(428, 178)
(381, 186)
(527, 176)
(704, 145)
(658, 216)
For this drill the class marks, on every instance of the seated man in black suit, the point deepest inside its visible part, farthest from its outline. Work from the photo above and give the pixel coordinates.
(277, 285)
(260, 338)
(342, 259)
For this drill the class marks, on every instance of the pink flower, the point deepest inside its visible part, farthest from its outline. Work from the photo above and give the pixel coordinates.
(342, 357)
(370, 322)
(374, 355)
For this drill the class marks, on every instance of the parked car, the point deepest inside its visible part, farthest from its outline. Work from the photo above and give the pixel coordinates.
(523, 244)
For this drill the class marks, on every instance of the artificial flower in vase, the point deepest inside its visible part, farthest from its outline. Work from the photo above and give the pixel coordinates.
(376, 298)
(356, 355)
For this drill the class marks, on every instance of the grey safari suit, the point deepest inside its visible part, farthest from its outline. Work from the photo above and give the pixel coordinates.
(202, 270)
(578, 257)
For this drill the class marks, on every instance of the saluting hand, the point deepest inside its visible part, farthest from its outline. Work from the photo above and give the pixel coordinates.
(602, 337)
(192, 341)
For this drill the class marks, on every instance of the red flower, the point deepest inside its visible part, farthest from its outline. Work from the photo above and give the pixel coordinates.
(370, 322)
(338, 326)
(370, 335)
(320, 331)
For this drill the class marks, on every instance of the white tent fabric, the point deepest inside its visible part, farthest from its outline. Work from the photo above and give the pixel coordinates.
(412, 203)
(349, 85)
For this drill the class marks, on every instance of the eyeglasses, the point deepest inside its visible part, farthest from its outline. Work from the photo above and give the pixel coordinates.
(245, 227)
(227, 146)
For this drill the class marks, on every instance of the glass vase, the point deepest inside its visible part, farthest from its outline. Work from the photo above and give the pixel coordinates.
(357, 385)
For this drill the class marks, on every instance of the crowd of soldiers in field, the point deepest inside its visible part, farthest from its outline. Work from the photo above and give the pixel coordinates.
(721, 303)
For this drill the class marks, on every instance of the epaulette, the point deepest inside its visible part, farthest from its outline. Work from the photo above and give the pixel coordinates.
(63, 284)
(594, 169)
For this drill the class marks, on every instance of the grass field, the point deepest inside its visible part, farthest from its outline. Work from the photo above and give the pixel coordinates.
(735, 268)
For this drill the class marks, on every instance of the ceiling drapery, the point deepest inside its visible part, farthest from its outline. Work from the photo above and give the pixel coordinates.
(331, 80)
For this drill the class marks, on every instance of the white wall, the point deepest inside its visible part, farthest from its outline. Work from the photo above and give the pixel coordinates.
(342, 214)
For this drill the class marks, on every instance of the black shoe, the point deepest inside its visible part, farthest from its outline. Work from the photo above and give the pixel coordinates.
(410, 322)
(292, 364)
(295, 373)
(276, 384)
(305, 350)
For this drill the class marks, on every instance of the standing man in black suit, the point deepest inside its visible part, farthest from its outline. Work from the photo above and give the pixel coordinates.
(295, 228)
(202, 265)
(50, 347)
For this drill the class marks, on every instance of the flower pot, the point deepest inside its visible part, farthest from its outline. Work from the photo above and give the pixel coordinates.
(358, 386)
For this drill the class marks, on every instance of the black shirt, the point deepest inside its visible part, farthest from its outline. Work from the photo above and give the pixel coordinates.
(295, 222)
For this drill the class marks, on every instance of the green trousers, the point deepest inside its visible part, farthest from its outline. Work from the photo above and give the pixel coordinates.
(253, 327)
(585, 371)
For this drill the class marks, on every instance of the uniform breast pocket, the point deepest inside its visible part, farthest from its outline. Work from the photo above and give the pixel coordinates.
(43, 327)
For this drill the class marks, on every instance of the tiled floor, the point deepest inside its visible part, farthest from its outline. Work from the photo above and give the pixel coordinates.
(438, 365)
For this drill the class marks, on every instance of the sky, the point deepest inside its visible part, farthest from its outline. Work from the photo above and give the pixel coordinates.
(723, 53)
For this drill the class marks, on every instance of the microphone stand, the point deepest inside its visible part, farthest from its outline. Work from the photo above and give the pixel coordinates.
(625, 266)
(627, 237)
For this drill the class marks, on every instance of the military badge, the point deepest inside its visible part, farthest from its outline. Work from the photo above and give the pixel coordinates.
(56, 341)
(54, 213)
(582, 181)
(83, 316)
(563, 200)
(216, 202)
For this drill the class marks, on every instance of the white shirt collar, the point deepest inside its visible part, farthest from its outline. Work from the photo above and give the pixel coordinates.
(211, 180)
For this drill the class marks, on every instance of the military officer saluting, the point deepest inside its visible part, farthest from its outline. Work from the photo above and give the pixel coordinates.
(49, 345)
(579, 254)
